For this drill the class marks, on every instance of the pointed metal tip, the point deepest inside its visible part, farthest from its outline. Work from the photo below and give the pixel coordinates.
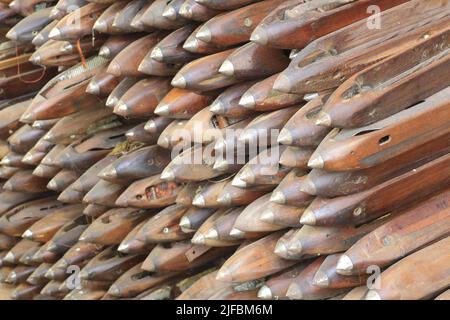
(162, 110)
(280, 248)
(224, 199)
(38, 40)
(49, 274)
(9, 257)
(5, 162)
(28, 117)
(111, 102)
(221, 164)
(28, 159)
(93, 88)
(293, 53)
(185, 222)
(8, 186)
(247, 101)
(170, 13)
(278, 197)
(129, 134)
(259, 36)
(114, 291)
(316, 162)
(36, 58)
(157, 54)
(310, 96)
(198, 239)
(37, 172)
(12, 35)
(149, 265)
(185, 10)
(100, 25)
(28, 234)
(265, 293)
(246, 175)
(344, 264)
(227, 68)
(115, 69)
(167, 174)
(54, 13)
(137, 24)
(198, 201)
(124, 247)
(204, 34)
(163, 142)
(238, 183)
(294, 292)
(284, 137)
(267, 216)
(321, 279)
(372, 295)
(212, 234)
(67, 48)
(323, 119)
(191, 45)
(307, 186)
(308, 218)
(236, 233)
(150, 126)
(223, 274)
(108, 173)
(282, 84)
(179, 81)
(121, 107)
(104, 52)
(51, 247)
(54, 34)
(216, 107)
(12, 276)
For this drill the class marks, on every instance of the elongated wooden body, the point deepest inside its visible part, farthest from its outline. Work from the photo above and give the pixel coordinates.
(275, 288)
(180, 256)
(416, 227)
(182, 104)
(310, 241)
(164, 226)
(108, 265)
(423, 71)
(289, 192)
(46, 228)
(132, 245)
(302, 287)
(112, 227)
(386, 139)
(203, 74)
(236, 26)
(135, 281)
(142, 98)
(144, 162)
(149, 193)
(431, 268)
(411, 187)
(327, 277)
(253, 261)
(16, 221)
(296, 23)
